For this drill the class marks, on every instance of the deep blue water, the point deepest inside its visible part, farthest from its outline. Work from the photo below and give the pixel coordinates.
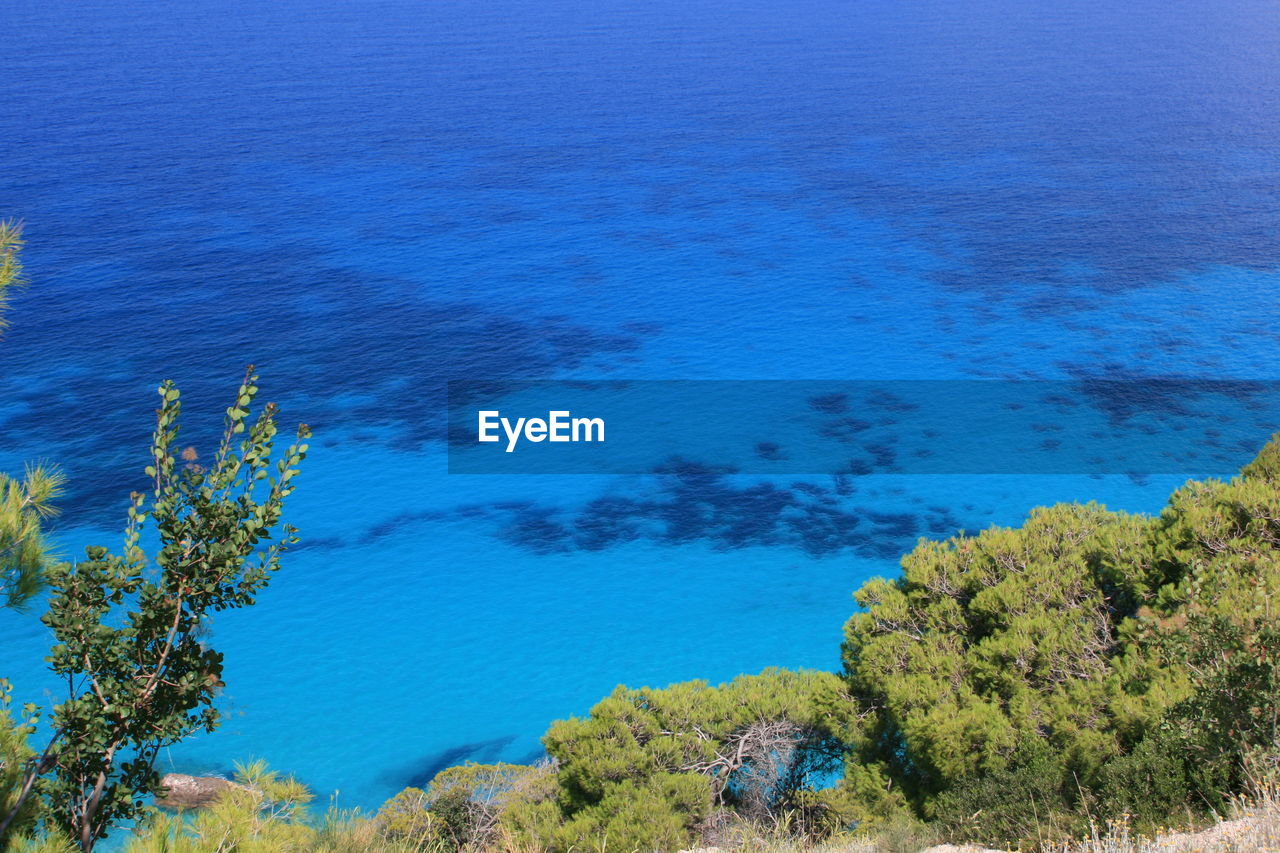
(368, 199)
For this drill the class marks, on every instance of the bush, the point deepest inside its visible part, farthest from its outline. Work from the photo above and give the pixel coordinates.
(1199, 756)
(649, 769)
(1087, 659)
(1151, 784)
(407, 818)
(990, 642)
(1022, 805)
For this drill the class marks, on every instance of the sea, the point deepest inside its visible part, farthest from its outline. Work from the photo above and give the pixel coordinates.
(371, 199)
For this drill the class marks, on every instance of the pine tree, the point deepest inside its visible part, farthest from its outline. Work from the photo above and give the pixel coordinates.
(10, 263)
(24, 503)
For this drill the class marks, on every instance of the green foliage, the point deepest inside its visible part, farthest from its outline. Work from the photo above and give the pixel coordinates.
(470, 800)
(266, 813)
(15, 757)
(1151, 783)
(1199, 755)
(1087, 660)
(24, 503)
(350, 832)
(990, 642)
(10, 263)
(902, 832)
(1216, 544)
(128, 637)
(1020, 805)
(660, 812)
(25, 557)
(1215, 618)
(45, 843)
(813, 814)
(407, 818)
(649, 768)
(464, 806)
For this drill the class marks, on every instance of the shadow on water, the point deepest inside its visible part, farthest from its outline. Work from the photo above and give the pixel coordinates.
(375, 356)
(690, 503)
(419, 773)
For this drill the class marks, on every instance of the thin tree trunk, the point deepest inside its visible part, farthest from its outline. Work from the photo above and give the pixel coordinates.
(28, 785)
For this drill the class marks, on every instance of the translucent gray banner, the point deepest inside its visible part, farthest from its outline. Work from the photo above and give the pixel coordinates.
(1165, 426)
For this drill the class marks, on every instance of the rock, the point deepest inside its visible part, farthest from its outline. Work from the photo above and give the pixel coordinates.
(192, 792)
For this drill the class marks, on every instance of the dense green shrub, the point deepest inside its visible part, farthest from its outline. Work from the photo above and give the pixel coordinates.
(990, 642)
(1216, 617)
(1151, 783)
(1231, 714)
(464, 807)
(407, 818)
(650, 769)
(1089, 660)
(1024, 803)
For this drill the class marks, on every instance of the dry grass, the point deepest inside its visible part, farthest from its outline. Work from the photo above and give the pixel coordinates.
(1252, 826)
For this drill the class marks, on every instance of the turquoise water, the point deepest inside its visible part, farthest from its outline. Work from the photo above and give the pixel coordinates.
(368, 200)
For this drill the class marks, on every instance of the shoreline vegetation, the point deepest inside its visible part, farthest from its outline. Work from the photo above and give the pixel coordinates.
(1074, 684)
